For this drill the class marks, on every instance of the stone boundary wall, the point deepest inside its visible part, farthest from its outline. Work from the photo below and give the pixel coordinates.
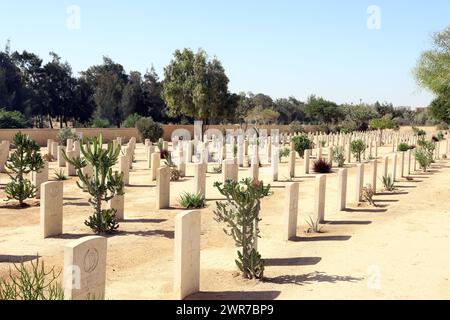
(41, 135)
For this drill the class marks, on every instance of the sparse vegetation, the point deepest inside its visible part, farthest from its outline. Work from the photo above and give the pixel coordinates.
(388, 183)
(339, 156)
(302, 143)
(34, 282)
(357, 148)
(367, 194)
(192, 201)
(25, 159)
(314, 225)
(241, 214)
(60, 175)
(103, 185)
(322, 166)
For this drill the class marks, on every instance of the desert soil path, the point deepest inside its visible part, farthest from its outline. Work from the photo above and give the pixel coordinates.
(397, 250)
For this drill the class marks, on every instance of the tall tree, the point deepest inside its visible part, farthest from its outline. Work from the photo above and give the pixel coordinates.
(107, 81)
(154, 105)
(197, 87)
(432, 70)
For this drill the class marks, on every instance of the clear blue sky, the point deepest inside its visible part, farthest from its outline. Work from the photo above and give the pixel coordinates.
(280, 48)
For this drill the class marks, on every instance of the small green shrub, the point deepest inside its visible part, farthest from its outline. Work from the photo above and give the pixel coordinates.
(419, 132)
(13, 120)
(302, 143)
(423, 158)
(149, 129)
(314, 225)
(367, 194)
(296, 127)
(339, 156)
(31, 283)
(357, 148)
(322, 166)
(388, 183)
(403, 147)
(60, 175)
(131, 120)
(283, 153)
(440, 135)
(25, 159)
(217, 169)
(240, 212)
(100, 123)
(64, 134)
(192, 201)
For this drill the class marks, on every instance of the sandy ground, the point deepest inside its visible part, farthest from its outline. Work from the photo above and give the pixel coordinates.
(397, 250)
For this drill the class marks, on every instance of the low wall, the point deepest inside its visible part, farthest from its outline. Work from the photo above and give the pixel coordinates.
(41, 135)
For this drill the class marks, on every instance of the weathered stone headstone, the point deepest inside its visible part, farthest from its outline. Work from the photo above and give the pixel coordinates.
(38, 178)
(290, 211)
(342, 189)
(118, 203)
(306, 156)
(187, 254)
(200, 179)
(70, 169)
(85, 269)
(229, 170)
(51, 208)
(319, 198)
(124, 167)
(374, 173)
(163, 188)
(359, 181)
(291, 164)
(61, 160)
(155, 164)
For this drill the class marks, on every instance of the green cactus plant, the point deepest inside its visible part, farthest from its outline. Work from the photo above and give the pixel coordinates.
(240, 212)
(102, 185)
(25, 159)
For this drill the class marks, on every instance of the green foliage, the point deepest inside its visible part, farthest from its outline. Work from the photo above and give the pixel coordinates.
(217, 169)
(64, 134)
(131, 120)
(103, 185)
(296, 127)
(339, 155)
(192, 201)
(283, 153)
(302, 143)
(403, 147)
(322, 166)
(442, 126)
(325, 111)
(103, 222)
(60, 175)
(431, 71)
(100, 123)
(13, 120)
(357, 148)
(383, 123)
(240, 212)
(31, 283)
(149, 129)
(314, 225)
(367, 194)
(25, 159)
(197, 87)
(419, 132)
(423, 158)
(439, 109)
(388, 183)
(440, 135)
